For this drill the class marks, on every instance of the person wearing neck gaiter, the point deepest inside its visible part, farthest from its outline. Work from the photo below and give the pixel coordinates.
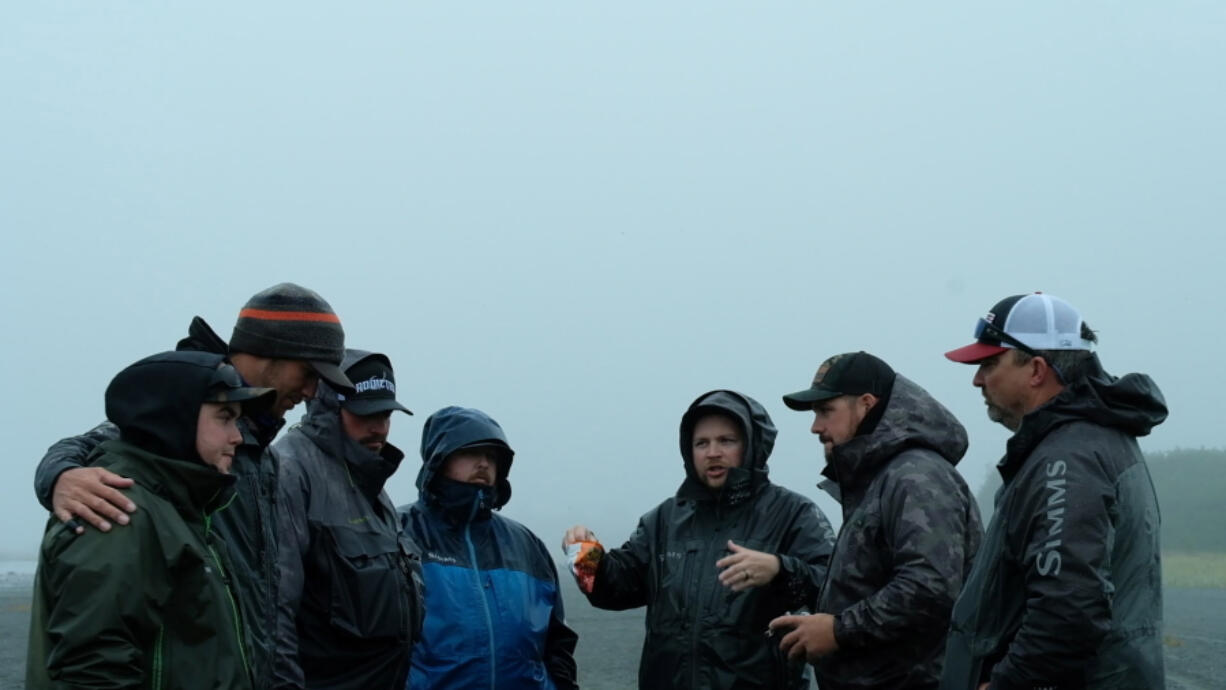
(494, 612)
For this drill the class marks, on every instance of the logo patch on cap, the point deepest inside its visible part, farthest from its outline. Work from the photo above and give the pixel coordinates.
(375, 383)
(825, 369)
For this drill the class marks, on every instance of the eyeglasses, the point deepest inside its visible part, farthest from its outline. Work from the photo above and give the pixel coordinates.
(994, 332)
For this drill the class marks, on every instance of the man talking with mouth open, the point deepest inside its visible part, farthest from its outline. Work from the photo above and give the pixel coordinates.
(717, 561)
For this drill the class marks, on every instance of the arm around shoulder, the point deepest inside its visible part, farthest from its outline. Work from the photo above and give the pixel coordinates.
(66, 454)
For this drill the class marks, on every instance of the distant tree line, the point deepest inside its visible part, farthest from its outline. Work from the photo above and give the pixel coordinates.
(1191, 486)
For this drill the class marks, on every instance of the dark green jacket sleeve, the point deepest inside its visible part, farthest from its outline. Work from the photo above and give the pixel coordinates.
(101, 627)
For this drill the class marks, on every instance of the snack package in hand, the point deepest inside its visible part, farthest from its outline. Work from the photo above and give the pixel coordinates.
(584, 557)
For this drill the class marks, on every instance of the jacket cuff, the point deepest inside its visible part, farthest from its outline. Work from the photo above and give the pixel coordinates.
(791, 587)
(48, 476)
(844, 637)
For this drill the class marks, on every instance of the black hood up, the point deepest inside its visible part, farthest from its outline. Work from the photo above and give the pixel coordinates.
(452, 428)
(1131, 403)
(759, 433)
(202, 338)
(156, 401)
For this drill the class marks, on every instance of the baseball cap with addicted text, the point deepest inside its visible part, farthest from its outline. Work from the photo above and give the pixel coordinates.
(374, 387)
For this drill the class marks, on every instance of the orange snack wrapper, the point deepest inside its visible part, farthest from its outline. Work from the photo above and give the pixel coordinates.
(584, 557)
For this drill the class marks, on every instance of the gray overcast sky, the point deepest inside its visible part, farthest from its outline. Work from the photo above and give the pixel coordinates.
(579, 218)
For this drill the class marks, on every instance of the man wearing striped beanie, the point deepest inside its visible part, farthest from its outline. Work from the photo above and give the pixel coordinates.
(286, 338)
(290, 334)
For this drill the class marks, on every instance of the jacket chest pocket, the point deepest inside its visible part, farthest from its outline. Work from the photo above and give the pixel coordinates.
(681, 574)
(367, 587)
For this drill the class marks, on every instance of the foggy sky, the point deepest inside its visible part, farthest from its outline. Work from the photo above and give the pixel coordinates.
(580, 218)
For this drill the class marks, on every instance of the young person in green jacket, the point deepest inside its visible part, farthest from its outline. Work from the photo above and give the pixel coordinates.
(151, 606)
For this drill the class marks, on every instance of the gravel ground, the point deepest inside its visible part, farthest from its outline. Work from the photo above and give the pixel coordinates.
(609, 642)
(1195, 635)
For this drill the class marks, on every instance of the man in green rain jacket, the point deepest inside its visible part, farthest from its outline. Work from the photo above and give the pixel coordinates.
(151, 606)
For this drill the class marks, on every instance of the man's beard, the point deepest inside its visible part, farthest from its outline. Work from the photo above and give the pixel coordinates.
(1002, 416)
(370, 441)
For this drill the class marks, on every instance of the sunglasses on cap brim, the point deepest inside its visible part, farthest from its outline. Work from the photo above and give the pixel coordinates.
(992, 331)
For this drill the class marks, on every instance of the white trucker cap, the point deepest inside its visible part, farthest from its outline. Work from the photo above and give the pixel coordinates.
(1025, 322)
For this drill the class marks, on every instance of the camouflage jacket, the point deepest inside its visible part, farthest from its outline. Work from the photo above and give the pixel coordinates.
(910, 530)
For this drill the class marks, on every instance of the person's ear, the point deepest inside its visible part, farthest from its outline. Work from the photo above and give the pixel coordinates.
(1040, 371)
(866, 402)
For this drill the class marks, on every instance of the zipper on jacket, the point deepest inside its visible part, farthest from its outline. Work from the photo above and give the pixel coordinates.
(225, 582)
(485, 604)
(699, 604)
(157, 658)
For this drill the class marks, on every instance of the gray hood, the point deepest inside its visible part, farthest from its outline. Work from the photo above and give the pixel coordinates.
(912, 419)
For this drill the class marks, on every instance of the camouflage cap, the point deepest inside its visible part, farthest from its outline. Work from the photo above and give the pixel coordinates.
(851, 373)
(227, 386)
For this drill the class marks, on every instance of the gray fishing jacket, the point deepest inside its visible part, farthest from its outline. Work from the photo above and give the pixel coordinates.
(1067, 591)
(910, 531)
(350, 593)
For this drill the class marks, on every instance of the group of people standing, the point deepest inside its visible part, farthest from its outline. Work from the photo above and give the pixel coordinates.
(222, 559)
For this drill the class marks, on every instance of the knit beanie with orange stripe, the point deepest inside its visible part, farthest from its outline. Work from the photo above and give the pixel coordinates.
(288, 321)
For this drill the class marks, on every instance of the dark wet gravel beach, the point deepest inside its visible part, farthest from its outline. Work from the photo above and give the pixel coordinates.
(609, 642)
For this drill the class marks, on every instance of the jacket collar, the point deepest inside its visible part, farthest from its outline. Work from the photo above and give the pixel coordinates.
(459, 502)
(912, 418)
(194, 488)
(1131, 403)
(368, 471)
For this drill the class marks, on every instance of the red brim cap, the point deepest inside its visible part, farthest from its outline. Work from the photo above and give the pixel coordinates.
(975, 352)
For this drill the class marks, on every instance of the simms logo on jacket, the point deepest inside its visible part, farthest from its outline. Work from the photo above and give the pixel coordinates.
(1048, 561)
